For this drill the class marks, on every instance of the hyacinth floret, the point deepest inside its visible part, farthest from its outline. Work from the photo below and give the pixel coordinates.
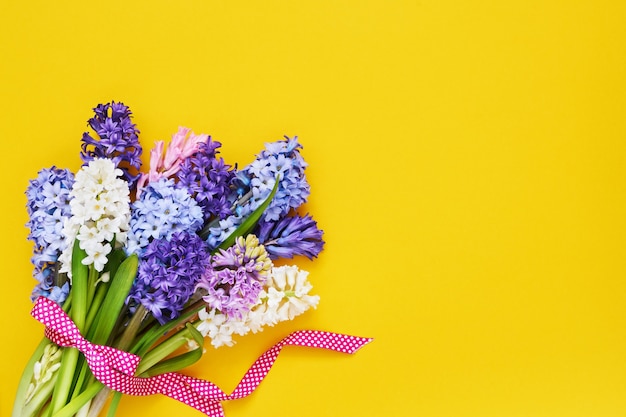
(279, 160)
(291, 236)
(236, 277)
(168, 273)
(48, 208)
(117, 139)
(208, 179)
(100, 207)
(162, 210)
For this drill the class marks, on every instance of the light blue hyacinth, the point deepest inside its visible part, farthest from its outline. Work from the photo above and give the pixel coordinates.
(48, 207)
(162, 210)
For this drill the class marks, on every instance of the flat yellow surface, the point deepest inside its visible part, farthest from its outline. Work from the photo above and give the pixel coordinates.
(467, 162)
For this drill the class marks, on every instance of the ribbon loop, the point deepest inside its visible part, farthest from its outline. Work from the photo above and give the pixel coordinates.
(116, 369)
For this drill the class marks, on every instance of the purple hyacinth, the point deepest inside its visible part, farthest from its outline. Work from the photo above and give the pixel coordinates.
(291, 236)
(208, 180)
(168, 273)
(117, 139)
(235, 279)
(48, 207)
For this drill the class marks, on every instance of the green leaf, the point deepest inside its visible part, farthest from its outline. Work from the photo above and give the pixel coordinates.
(113, 303)
(251, 221)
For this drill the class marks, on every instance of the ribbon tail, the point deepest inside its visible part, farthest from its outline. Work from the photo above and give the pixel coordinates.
(308, 338)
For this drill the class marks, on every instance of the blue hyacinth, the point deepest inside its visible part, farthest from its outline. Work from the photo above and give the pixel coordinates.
(162, 210)
(48, 207)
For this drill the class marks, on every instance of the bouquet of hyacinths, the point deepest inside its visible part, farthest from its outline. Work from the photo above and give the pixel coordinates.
(150, 262)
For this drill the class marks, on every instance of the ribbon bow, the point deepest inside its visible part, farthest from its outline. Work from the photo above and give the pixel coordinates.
(116, 368)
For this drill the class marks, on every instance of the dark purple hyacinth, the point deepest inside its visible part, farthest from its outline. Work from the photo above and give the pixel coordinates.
(168, 273)
(291, 236)
(208, 179)
(117, 139)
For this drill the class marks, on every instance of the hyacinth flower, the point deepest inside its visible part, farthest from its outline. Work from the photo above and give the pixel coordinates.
(168, 273)
(164, 164)
(117, 140)
(48, 208)
(100, 207)
(162, 209)
(279, 160)
(209, 180)
(285, 295)
(236, 277)
(291, 236)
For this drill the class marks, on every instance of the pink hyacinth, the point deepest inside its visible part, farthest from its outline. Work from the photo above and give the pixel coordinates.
(184, 143)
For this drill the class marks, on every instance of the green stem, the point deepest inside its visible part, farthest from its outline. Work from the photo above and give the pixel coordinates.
(157, 331)
(131, 330)
(46, 411)
(115, 402)
(73, 406)
(91, 284)
(99, 401)
(80, 287)
(62, 389)
(82, 376)
(94, 305)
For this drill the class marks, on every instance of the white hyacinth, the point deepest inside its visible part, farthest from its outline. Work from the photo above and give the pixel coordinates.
(44, 370)
(100, 207)
(285, 296)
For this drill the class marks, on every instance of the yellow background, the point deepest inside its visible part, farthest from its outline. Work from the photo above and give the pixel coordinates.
(467, 162)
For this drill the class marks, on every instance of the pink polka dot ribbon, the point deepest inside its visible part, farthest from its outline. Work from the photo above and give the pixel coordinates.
(116, 368)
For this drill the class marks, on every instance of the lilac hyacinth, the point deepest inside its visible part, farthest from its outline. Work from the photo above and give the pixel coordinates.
(168, 274)
(117, 140)
(291, 236)
(162, 210)
(48, 208)
(208, 179)
(236, 277)
(254, 183)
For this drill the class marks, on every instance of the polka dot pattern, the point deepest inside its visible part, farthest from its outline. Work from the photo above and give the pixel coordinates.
(116, 369)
